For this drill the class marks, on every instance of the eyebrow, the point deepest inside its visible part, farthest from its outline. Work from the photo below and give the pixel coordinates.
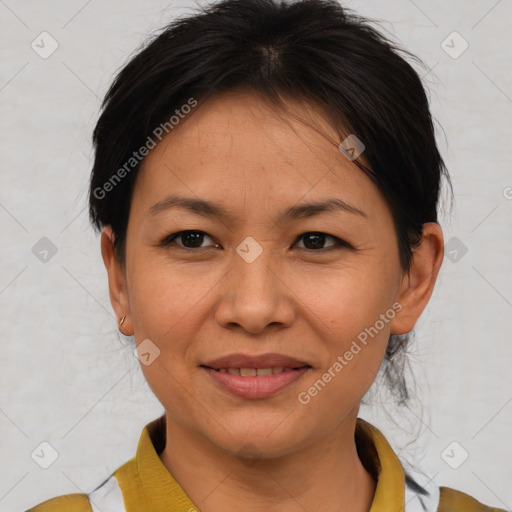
(209, 209)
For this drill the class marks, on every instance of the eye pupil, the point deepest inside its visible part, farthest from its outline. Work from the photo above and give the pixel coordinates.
(194, 236)
(318, 240)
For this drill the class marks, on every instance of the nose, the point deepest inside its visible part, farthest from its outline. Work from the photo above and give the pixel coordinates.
(255, 295)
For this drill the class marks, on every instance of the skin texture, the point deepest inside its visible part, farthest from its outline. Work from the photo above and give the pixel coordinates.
(206, 302)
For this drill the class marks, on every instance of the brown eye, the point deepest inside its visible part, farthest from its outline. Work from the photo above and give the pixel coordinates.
(190, 239)
(314, 241)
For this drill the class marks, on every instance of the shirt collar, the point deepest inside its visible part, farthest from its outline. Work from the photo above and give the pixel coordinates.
(378, 457)
(373, 449)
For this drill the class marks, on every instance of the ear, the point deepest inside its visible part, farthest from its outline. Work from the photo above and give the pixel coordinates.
(417, 287)
(116, 281)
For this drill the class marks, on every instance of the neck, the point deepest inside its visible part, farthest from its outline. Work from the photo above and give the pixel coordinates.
(327, 474)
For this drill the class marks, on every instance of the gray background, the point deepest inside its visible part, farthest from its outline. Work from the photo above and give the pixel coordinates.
(68, 378)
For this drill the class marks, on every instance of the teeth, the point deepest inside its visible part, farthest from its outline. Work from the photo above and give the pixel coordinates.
(248, 372)
(253, 372)
(264, 371)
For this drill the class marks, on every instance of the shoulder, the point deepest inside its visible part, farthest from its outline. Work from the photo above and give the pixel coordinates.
(66, 503)
(451, 500)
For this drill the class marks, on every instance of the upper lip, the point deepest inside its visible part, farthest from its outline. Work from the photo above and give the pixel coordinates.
(270, 360)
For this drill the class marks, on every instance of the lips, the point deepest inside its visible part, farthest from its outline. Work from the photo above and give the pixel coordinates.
(259, 376)
(262, 361)
(255, 372)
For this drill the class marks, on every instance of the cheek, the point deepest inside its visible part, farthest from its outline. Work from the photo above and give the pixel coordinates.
(354, 359)
(352, 311)
(166, 298)
(346, 302)
(162, 307)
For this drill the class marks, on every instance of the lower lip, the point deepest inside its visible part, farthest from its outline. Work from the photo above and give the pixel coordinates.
(256, 387)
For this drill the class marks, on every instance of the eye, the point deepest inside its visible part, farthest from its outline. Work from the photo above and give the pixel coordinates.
(191, 239)
(317, 239)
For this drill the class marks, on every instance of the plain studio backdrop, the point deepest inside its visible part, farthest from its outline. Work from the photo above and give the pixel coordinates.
(69, 379)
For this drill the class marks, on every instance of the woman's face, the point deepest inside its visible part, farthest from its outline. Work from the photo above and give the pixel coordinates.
(259, 283)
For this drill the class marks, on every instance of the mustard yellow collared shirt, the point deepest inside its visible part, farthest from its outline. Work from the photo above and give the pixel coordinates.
(144, 484)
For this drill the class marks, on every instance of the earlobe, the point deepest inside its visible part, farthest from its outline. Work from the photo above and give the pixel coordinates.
(116, 279)
(417, 286)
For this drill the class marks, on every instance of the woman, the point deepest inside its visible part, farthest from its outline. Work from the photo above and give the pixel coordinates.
(266, 183)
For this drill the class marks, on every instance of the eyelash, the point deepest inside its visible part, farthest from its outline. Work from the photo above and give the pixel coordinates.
(340, 244)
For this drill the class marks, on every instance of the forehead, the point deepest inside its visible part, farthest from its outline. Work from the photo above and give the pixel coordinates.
(240, 122)
(237, 148)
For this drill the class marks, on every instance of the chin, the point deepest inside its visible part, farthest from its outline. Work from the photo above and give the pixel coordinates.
(267, 437)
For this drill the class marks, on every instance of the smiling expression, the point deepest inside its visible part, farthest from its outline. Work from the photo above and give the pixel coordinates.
(254, 243)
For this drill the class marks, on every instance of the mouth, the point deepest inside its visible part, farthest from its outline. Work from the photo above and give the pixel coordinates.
(256, 372)
(269, 361)
(259, 376)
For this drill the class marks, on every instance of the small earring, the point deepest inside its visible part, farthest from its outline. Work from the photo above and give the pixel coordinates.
(122, 321)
